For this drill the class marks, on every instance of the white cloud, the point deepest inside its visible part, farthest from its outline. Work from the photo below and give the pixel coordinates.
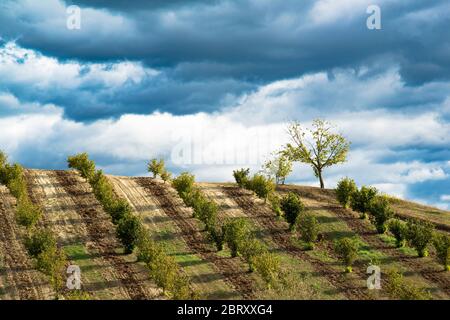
(329, 11)
(28, 67)
(398, 190)
(383, 128)
(445, 197)
(8, 100)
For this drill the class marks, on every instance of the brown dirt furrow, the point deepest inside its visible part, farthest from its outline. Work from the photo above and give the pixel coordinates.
(101, 232)
(23, 282)
(228, 208)
(228, 267)
(62, 218)
(281, 236)
(371, 237)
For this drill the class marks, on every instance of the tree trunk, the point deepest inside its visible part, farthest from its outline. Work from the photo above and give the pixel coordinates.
(322, 185)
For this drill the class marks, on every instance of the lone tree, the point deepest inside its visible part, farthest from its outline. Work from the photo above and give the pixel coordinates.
(318, 147)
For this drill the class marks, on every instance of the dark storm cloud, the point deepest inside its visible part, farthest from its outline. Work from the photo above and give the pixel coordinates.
(127, 5)
(248, 39)
(209, 50)
(91, 102)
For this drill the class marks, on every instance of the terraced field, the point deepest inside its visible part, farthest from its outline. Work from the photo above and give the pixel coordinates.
(169, 221)
(87, 235)
(18, 279)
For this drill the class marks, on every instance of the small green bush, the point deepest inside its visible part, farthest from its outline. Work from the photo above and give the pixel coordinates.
(27, 214)
(380, 211)
(362, 199)
(419, 235)
(13, 177)
(236, 233)
(441, 244)
(119, 209)
(347, 250)
(13, 172)
(206, 211)
(275, 203)
(103, 190)
(400, 232)
(262, 186)
(216, 235)
(181, 289)
(344, 190)
(147, 249)
(292, 207)
(397, 288)
(308, 227)
(128, 230)
(156, 167)
(39, 242)
(184, 183)
(195, 200)
(268, 267)
(166, 176)
(166, 273)
(83, 164)
(52, 262)
(250, 249)
(242, 177)
(18, 187)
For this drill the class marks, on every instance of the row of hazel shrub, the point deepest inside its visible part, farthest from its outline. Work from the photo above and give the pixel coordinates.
(163, 269)
(416, 233)
(290, 206)
(236, 233)
(39, 242)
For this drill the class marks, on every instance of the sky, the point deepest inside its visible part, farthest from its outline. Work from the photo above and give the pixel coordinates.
(210, 86)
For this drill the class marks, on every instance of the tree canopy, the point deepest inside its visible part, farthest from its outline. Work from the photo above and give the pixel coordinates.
(318, 146)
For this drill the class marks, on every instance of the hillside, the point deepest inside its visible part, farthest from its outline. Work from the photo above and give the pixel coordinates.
(86, 233)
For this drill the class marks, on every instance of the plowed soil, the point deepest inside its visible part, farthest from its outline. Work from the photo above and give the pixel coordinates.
(87, 235)
(19, 279)
(230, 268)
(430, 270)
(228, 207)
(280, 234)
(204, 278)
(78, 220)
